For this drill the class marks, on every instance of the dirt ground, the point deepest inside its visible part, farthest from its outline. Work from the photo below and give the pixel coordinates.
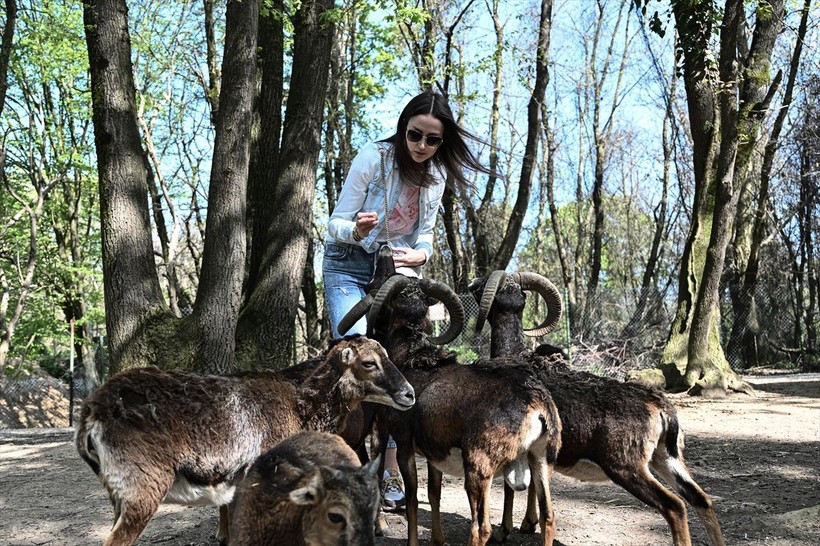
(759, 457)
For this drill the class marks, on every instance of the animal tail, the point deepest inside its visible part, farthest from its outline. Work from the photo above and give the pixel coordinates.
(672, 433)
(676, 467)
(551, 427)
(83, 441)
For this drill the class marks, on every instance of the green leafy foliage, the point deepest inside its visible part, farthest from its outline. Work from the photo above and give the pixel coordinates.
(50, 156)
(464, 353)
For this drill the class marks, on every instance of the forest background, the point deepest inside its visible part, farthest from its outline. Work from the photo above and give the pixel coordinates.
(168, 169)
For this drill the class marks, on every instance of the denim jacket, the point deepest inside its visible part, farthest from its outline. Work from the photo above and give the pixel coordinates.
(363, 191)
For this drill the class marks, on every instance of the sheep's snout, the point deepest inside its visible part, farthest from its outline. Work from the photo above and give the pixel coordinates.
(405, 399)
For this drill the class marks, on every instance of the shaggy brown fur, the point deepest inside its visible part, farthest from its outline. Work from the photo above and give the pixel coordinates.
(474, 420)
(309, 490)
(155, 436)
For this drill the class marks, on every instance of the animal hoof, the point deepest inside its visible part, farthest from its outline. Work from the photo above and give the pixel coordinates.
(527, 527)
(499, 536)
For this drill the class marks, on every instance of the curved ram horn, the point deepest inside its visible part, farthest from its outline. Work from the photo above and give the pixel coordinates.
(356, 312)
(496, 281)
(552, 297)
(447, 296)
(390, 287)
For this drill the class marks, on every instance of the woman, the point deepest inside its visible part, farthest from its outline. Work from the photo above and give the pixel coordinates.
(392, 196)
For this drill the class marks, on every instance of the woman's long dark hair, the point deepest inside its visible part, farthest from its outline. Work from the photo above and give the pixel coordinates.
(453, 153)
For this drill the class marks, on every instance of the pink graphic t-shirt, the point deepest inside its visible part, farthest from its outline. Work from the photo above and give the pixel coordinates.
(405, 212)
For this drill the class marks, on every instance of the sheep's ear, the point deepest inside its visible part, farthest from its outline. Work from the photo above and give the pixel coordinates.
(347, 356)
(372, 468)
(335, 473)
(310, 494)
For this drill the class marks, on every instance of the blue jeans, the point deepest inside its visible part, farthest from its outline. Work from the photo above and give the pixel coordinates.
(346, 270)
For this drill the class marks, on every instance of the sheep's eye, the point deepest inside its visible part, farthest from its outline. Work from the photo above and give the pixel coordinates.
(336, 518)
(369, 364)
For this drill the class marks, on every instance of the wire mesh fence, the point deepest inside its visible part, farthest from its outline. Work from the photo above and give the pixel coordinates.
(618, 330)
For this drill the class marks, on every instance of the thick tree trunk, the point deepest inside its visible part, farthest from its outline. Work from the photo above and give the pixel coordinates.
(751, 228)
(707, 368)
(266, 325)
(266, 139)
(140, 328)
(220, 286)
(132, 292)
(693, 357)
(740, 113)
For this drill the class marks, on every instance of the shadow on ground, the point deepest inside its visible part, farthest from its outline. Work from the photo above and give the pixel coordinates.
(806, 388)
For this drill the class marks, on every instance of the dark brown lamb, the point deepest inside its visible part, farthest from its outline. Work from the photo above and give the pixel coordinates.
(309, 490)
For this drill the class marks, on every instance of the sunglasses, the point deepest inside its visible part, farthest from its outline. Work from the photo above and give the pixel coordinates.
(430, 140)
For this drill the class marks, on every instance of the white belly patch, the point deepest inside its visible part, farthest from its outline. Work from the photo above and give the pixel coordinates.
(183, 492)
(516, 474)
(584, 470)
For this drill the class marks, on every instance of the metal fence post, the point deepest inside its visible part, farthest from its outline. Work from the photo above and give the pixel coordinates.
(71, 377)
(567, 330)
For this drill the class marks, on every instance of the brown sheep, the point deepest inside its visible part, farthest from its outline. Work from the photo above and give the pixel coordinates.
(478, 421)
(309, 490)
(612, 430)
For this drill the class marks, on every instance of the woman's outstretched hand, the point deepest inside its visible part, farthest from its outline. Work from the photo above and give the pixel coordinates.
(408, 257)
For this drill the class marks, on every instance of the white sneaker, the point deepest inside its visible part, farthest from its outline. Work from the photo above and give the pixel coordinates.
(393, 498)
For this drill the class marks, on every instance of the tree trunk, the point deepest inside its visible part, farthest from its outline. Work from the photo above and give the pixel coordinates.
(140, 328)
(223, 266)
(482, 223)
(633, 327)
(513, 231)
(213, 87)
(26, 267)
(266, 140)
(693, 358)
(266, 325)
(567, 280)
(167, 244)
(751, 230)
(313, 330)
(132, 292)
(602, 126)
(5, 53)
(460, 269)
(5, 49)
(69, 247)
(809, 200)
